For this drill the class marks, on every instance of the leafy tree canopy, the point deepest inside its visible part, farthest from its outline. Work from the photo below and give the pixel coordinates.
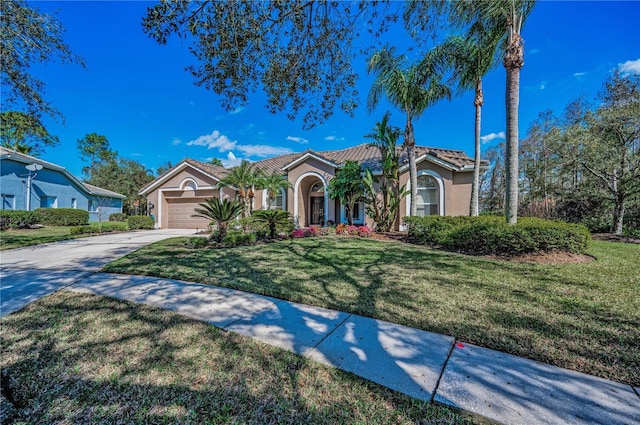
(28, 36)
(124, 176)
(347, 186)
(24, 133)
(95, 149)
(299, 52)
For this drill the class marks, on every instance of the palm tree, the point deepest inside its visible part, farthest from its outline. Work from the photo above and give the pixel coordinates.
(507, 18)
(222, 212)
(411, 88)
(272, 183)
(243, 178)
(473, 58)
(274, 219)
(384, 138)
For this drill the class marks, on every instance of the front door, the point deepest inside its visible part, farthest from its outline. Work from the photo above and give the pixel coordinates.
(317, 210)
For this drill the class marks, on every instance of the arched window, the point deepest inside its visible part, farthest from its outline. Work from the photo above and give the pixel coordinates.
(428, 196)
(317, 188)
(278, 201)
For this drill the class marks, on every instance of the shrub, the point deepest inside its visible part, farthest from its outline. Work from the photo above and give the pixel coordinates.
(140, 222)
(492, 235)
(18, 219)
(117, 217)
(94, 228)
(298, 233)
(197, 242)
(63, 216)
(362, 231)
(341, 229)
(237, 238)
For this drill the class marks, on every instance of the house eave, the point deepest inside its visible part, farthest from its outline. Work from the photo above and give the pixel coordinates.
(177, 169)
(305, 157)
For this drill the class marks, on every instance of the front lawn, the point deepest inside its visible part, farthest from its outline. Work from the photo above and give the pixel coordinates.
(19, 238)
(83, 359)
(584, 317)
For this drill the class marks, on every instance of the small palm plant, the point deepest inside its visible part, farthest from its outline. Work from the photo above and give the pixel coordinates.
(222, 212)
(274, 219)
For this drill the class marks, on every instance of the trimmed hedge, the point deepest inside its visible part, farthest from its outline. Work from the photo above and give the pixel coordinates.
(62, 216)
(492, 235)
(18, 219)
(121, 217)
(140, 222)
(96, 228)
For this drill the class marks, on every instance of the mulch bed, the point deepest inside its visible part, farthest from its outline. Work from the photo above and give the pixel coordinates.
(612, 237)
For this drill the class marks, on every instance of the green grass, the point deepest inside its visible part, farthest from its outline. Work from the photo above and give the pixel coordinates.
(584, 317)
(83, 359)
(19, 238)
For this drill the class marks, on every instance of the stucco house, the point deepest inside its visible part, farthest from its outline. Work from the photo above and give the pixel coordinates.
(444, 179)
(28, 183)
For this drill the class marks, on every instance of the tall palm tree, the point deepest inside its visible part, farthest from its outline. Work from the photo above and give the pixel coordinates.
(222, 212)
(473, 57)
(411, 88)
(272, 183)
(507, 17)
(243, 178)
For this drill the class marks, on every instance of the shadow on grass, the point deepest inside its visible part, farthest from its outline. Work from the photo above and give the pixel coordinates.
(547, 313)
(86, 359)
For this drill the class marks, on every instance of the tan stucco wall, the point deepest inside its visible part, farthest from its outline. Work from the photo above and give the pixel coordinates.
(457, 189)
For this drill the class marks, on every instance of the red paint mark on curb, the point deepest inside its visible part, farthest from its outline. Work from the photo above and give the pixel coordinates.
(460, 345)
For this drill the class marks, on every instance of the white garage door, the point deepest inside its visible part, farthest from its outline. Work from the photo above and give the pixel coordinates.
(180, 212)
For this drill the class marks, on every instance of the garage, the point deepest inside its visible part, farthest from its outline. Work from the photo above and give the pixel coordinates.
(179, 214)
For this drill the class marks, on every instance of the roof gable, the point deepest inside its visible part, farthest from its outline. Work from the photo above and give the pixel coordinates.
(212, 171)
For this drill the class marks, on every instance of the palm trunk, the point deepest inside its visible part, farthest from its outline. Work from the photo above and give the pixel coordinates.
(513, 62)
(410, 144)
(475, 185)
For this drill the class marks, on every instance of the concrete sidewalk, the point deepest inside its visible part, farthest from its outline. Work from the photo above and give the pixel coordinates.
(497, 386)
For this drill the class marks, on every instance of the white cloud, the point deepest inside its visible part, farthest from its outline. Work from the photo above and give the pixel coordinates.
(533, 51)
(262, 151)
(579, 74)
(629, 67)
(231, 161)
(492, 136)
(298, 139)
(222, 143)
(237, 110)
(214, 140)
(543, 85)
(334, 138)
(176, 141)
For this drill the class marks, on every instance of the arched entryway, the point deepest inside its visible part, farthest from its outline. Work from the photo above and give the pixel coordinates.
(310, 200)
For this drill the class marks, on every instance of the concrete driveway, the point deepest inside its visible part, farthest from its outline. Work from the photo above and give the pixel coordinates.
(33, 272)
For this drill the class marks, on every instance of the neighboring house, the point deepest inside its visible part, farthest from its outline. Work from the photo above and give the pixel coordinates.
(444, 179)
(46, 185)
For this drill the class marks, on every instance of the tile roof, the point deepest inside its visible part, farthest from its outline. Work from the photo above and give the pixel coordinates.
(368, 156)
(214, 170)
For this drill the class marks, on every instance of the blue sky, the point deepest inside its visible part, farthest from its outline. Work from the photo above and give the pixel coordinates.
(137, 93)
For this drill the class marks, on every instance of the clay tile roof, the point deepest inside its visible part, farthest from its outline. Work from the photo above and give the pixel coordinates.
(276, 164)
(215, 170)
